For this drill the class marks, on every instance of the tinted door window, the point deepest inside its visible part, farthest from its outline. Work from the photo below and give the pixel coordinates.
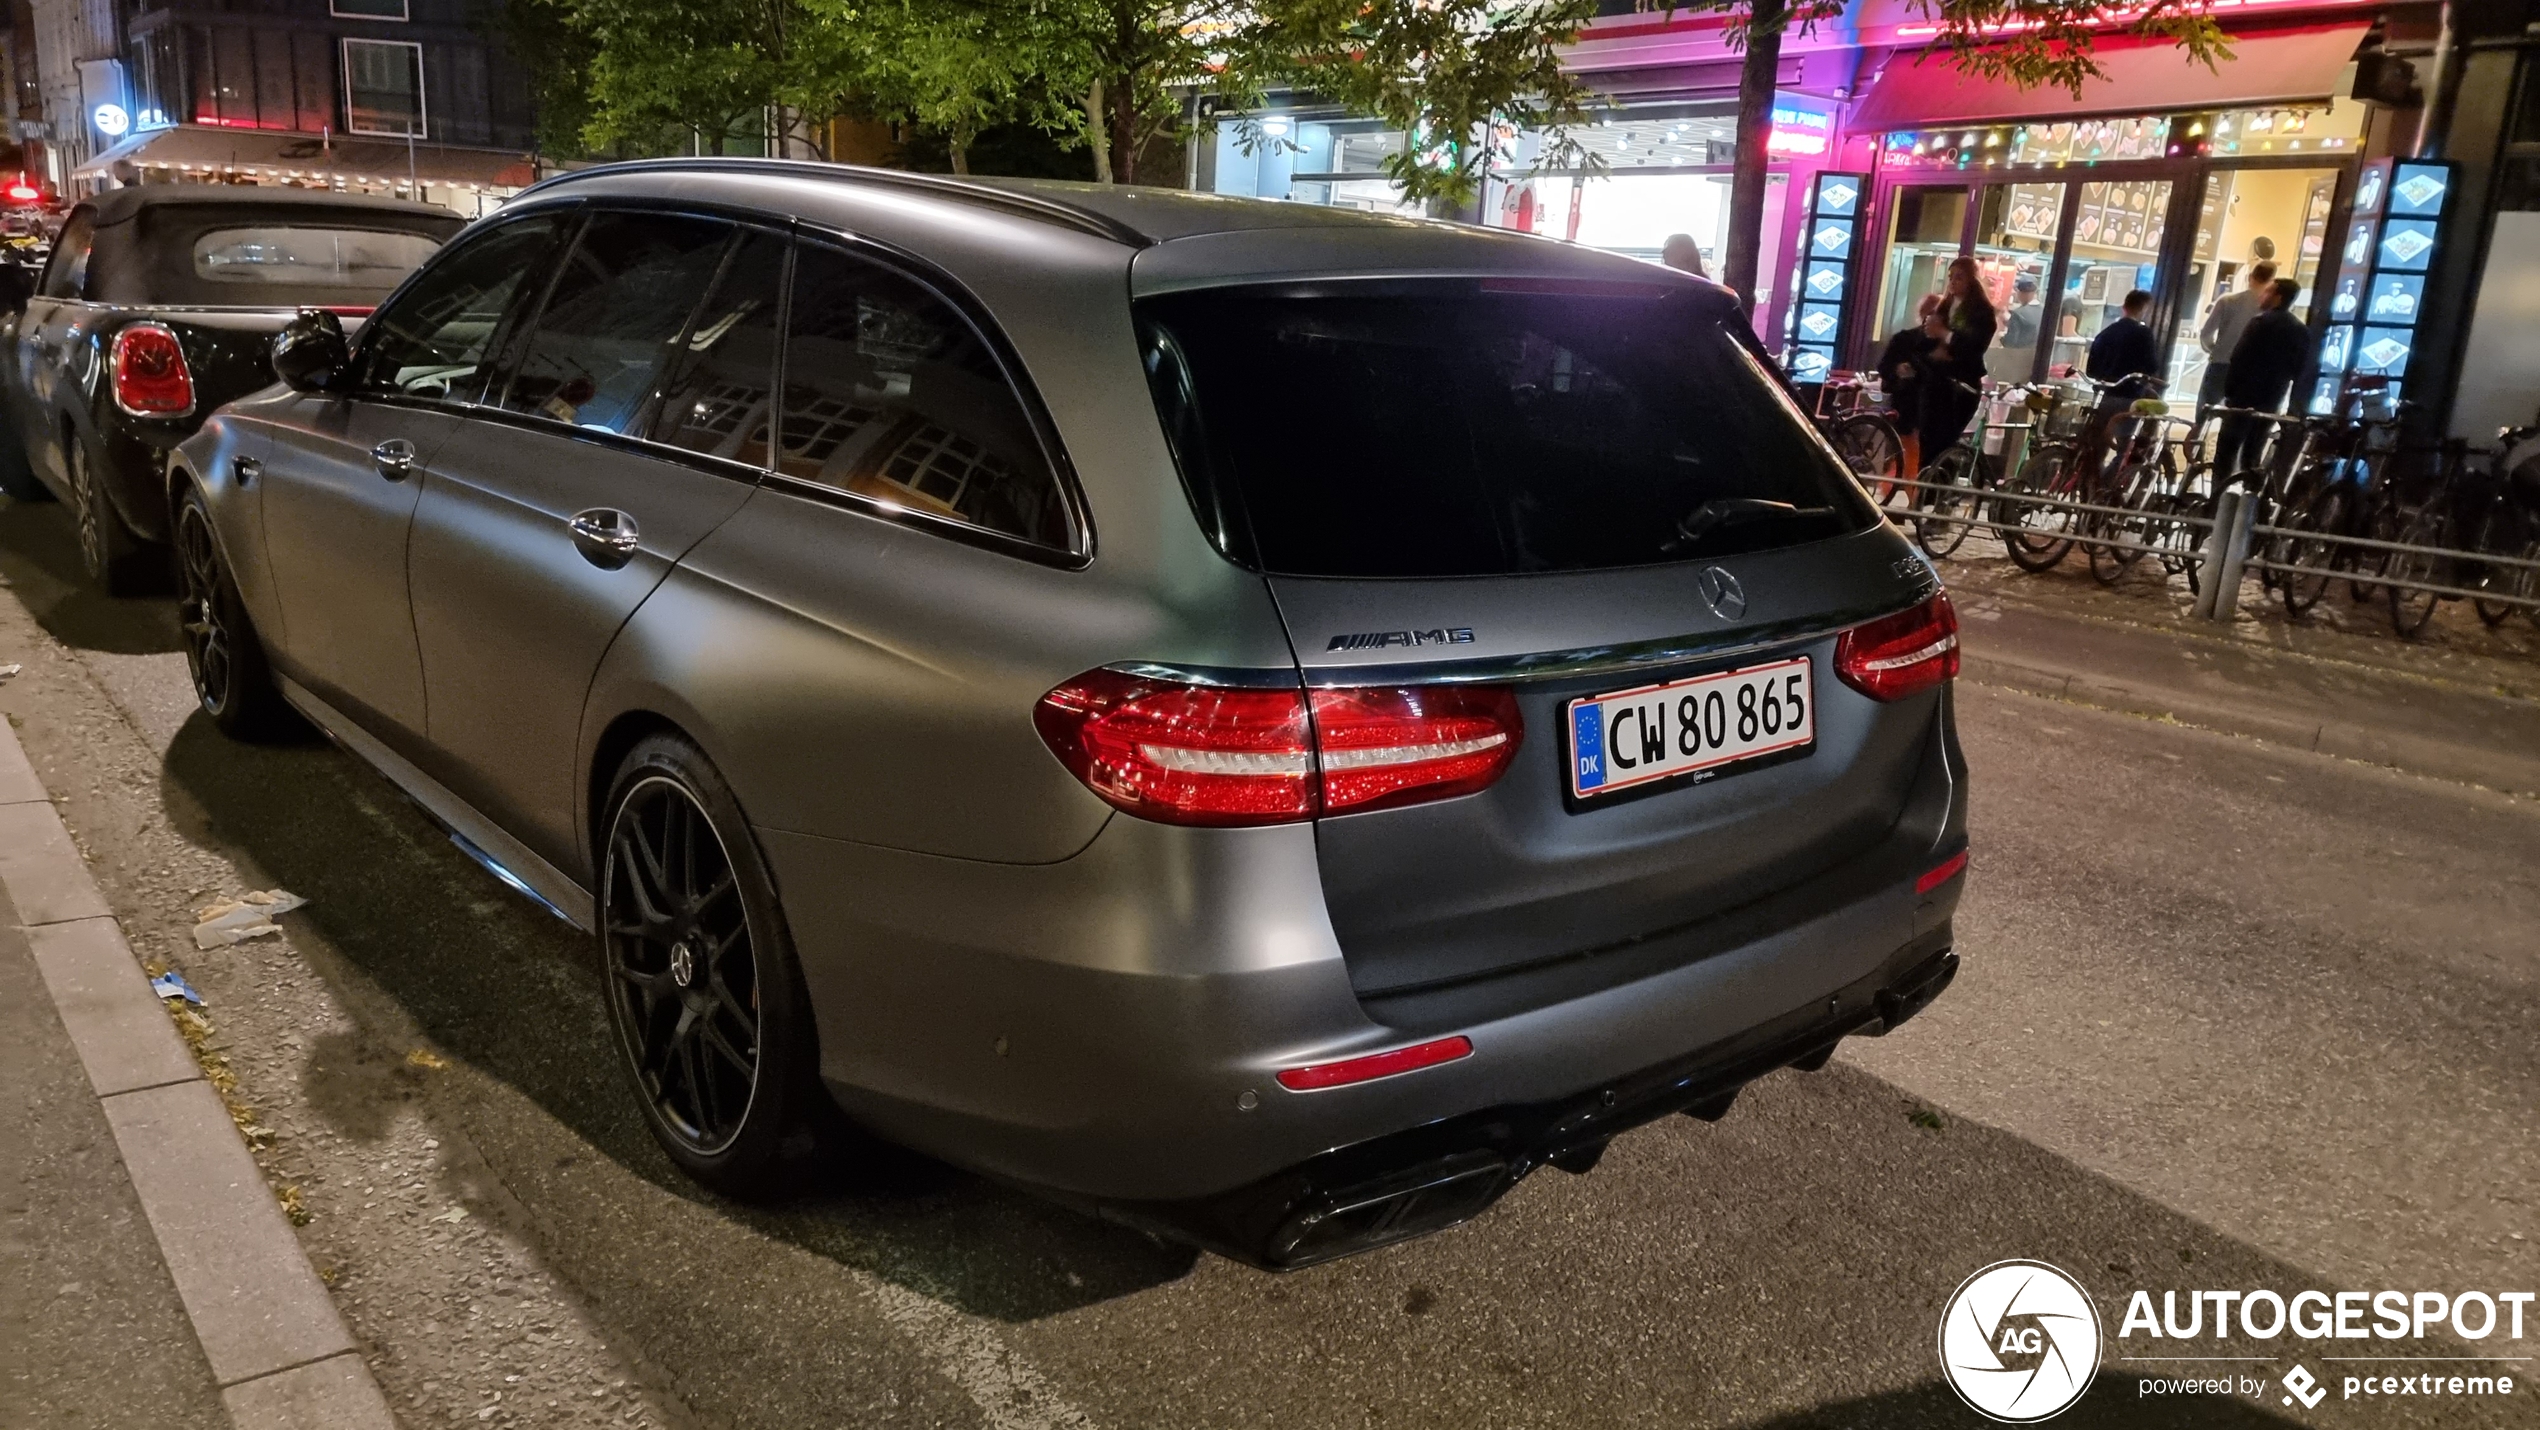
(1447, 429)
(67, 275)
(719, 390)
(436, 338)
(891, 394)
(620, 301)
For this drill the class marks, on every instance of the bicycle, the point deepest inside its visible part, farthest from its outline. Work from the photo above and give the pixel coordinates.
(1949, 504)
(2072, 466)
(2510, 527)
(1852, 421)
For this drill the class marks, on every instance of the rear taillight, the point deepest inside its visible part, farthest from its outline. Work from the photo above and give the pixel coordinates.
(1895, 656)
(1376, 1065)
(150, 376)
(1204, 754)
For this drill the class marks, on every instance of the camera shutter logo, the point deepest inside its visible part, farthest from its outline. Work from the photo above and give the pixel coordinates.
(2019, 1342)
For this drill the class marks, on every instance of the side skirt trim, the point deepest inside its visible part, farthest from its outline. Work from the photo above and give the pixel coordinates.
(506, 858)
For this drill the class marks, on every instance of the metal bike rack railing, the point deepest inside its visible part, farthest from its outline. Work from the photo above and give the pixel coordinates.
(2229, 548)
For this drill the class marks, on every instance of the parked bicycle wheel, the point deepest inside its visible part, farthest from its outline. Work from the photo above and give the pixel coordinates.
(2043, 535)
(2328, 513)
(2411, 609)
(2503, 531)
(1940, 520)
(1868, 444)
(2369, 561)
(2125, 540)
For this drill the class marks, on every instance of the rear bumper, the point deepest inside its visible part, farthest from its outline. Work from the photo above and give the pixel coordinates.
(1428, 1178)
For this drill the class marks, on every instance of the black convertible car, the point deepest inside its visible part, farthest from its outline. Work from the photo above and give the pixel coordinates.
(158, 305)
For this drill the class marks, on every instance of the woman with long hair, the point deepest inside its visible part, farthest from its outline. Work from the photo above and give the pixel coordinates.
(1960, 329)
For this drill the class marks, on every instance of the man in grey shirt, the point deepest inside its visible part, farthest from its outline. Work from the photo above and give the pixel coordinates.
(2224, 323)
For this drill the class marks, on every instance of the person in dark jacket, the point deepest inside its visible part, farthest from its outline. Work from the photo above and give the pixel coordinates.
(2125, 350)
(2125, 353)
(2269, 356)
(1953, 366)
(1901, 373)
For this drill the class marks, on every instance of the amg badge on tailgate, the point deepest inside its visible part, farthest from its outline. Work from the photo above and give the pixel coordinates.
(1377, 640)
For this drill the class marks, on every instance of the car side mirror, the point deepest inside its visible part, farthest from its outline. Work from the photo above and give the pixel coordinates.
(310, 354)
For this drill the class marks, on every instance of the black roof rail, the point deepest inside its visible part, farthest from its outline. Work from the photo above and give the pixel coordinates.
(1012, 201)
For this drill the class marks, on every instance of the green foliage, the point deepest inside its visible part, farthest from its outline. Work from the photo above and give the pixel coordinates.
(663, 69)
(555, 54)
(1460, 76)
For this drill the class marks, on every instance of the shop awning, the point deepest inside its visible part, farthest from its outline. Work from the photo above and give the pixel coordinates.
(2272, 68)
(205, 151)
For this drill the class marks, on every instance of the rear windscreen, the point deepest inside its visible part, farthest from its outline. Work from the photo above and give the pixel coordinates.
(1473, 428)
(269, 254)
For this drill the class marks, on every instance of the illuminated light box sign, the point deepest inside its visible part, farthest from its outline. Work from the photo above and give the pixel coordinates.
(2379, 300)
(1800, 126)
(1826, 245)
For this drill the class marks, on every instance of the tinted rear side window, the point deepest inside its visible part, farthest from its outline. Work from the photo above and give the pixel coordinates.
(891, 394)
(1460, 429)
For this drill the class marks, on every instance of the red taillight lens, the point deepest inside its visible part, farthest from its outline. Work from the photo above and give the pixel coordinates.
(1383, 747)
(1203, 754)
(1942, 872)
(151, 379)
(1376, 1065)
(1895, 656)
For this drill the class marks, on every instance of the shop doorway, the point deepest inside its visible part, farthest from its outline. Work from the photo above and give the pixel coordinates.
(2245, 216)
(1926, 228)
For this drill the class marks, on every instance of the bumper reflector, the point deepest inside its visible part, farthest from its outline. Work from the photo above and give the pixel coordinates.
(1376, 1065)
(1942, 872)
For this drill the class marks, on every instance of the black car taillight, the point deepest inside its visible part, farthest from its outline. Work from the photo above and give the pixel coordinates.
(150, 376)
(1185, 753)
(1895, 656)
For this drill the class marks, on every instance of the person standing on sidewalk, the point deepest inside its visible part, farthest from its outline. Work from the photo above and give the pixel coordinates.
(2124, 353)
(2225, 321)
(2264, 363)
(1960, 331)
(1681, 253)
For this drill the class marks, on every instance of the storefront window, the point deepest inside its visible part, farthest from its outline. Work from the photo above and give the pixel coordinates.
(2246, 217)
(1924, 229)
(2116, 242)
(2015, 256)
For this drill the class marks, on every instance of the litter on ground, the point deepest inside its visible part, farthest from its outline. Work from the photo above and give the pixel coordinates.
(250, 915)
(172, 984)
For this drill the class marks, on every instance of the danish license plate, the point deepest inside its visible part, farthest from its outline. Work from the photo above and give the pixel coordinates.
(1709, 723)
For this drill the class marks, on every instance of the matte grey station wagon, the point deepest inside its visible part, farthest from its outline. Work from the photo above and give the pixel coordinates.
(1267, 723)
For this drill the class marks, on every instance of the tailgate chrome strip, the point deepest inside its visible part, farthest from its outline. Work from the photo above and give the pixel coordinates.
(480, 838)
(1588, 661)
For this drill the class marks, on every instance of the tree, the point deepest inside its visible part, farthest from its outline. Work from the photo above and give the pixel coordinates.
(665, 73)
(555, 55)
(1453, 75)
(963, 66)
(2029, 42)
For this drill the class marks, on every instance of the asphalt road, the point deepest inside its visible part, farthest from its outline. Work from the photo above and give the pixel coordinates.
(2232, 1016)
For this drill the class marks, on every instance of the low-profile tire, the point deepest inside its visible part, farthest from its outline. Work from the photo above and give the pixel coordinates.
(232, 680)
(709, 1005)
(116, 558)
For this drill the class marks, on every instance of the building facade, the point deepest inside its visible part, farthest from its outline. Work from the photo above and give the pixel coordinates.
(405, 96)
(2312, 148)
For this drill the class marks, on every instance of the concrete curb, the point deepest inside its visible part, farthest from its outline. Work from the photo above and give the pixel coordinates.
(2444, 759)
(277, 1346)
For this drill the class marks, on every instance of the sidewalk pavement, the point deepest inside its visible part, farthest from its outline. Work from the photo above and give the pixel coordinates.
(215, 1309)
(2464, 720)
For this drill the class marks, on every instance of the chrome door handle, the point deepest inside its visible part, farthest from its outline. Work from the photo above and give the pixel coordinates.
(246, 469)
(605, 536)
(395, 458)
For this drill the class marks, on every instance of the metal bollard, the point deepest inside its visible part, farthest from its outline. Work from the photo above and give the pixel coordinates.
(2235, 551)
(2209, 556)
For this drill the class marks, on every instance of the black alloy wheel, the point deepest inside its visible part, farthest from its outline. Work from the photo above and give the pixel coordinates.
(113, 556)
(231, 680)
(702, 989)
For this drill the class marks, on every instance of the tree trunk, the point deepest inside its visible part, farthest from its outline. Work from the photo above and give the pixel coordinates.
(1098, 131)
(1124, 131)
(1754, 130)
(961, 137)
